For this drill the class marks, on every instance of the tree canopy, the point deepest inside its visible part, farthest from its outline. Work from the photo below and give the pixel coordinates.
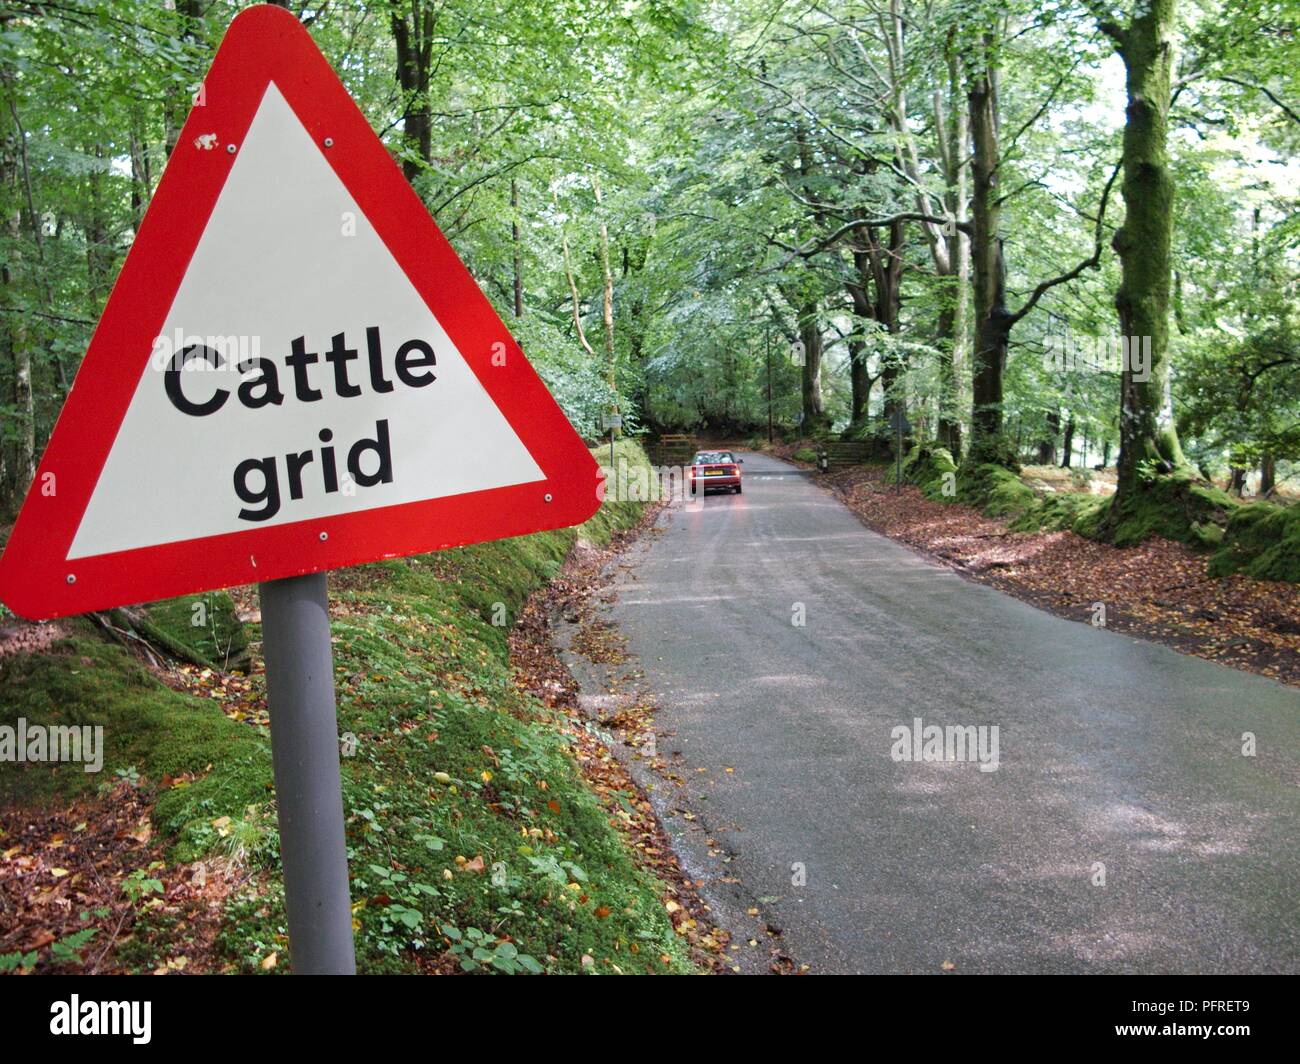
(1054, 232)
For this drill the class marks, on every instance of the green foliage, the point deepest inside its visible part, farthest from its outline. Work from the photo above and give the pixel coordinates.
(724, 153)
(67, 950)
(1261, 540)
(139, 885)
(477, 950)
(11, 962)
(201, 629)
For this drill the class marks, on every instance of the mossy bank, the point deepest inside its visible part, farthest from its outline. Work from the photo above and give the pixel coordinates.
(1260, 539)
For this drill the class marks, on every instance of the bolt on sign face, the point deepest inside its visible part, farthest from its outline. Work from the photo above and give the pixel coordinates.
(294, 372)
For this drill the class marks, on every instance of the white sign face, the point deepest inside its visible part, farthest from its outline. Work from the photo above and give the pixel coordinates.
(612, 421)
(299, 373)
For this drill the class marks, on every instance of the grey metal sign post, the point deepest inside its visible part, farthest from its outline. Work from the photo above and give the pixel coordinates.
(898, 422)
(308, 790)
(612, 422)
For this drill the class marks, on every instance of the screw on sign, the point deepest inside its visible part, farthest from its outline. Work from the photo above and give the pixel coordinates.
(294, 373)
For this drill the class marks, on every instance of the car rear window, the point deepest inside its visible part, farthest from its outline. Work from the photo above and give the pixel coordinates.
(713, 457)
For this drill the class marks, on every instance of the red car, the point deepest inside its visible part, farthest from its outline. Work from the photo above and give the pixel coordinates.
(715, 471)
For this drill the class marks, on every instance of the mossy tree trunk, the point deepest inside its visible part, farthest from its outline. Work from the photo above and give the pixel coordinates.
(1147, 433)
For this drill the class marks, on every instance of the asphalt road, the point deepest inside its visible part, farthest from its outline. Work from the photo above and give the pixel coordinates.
(1112, 752)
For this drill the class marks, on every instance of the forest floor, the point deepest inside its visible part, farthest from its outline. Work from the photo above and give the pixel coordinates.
(1159, 590)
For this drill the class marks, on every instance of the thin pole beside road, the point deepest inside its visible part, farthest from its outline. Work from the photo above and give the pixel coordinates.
(305, 754)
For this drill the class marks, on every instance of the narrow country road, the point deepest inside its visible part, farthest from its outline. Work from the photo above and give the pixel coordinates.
(1113, 752)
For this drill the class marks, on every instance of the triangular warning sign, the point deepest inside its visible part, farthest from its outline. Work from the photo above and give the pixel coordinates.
(294, 372)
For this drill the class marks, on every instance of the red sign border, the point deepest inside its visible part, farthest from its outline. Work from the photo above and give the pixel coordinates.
(265, 44)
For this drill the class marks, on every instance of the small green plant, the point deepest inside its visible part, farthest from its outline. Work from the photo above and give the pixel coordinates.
(405, 915)
(12, 962)
(140, 884)
(478, 950)
(129, 775)
(250, 840)
(559, 871)
(67, 950)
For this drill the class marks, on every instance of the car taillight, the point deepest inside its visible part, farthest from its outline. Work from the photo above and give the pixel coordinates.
(733, 471)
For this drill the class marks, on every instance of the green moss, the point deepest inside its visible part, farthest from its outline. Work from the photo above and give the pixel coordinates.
(996, 490)
(805, 454)
(202, 629)
(1262, 540)
(1060, 511)
(1178, 506)
(150, 732)
(931, 468)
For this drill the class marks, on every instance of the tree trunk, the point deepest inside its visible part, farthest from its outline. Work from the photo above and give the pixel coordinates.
(1067, 444)
(189, 15)
(810, 337)
(953, 136)
(886, 271)
(1047, 445)
(860, 379)
(413, 38)
(1237, 481)
(860, 382)
(992, 319)
(608, 303)
(1147, 432)
(141, 177)
(20, 345)
(571, 279)
(518, 249)
(99, 256)
(1267, 475)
